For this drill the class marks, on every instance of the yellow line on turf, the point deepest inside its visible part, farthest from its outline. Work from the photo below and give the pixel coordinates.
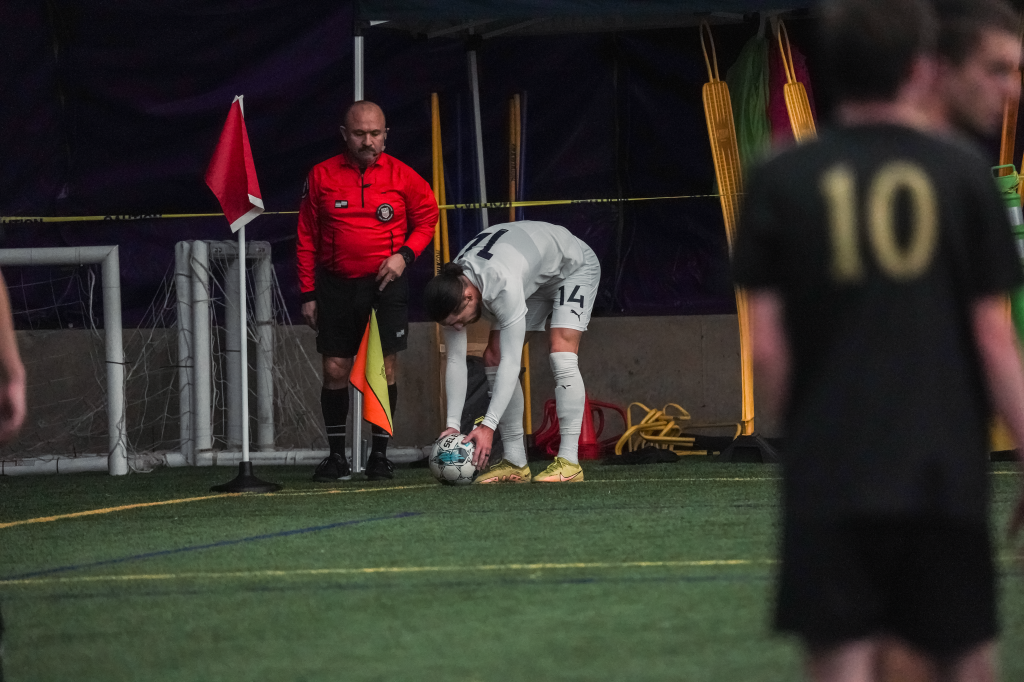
(110, 510)
(336, 491)
(388, 570)
(141, 505)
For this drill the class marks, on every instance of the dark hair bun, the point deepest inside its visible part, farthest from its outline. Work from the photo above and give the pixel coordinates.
(452, 269)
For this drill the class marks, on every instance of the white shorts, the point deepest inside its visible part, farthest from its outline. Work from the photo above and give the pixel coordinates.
(570, 301)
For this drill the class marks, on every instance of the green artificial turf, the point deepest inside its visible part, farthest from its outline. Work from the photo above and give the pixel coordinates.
(658, 572)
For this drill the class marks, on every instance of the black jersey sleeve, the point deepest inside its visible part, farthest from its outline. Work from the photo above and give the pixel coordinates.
(994, 266)
(756, 253)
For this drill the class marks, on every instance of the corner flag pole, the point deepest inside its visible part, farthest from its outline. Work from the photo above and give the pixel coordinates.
(231, 176)
(243, 346)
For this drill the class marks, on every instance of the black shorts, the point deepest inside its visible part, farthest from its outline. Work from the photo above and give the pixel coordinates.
(343, 308)
(930, 583)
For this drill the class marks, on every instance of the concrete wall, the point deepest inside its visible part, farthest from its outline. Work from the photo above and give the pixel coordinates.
(691, 360)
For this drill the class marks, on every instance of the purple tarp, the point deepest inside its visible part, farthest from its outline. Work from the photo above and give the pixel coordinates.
(114, 108)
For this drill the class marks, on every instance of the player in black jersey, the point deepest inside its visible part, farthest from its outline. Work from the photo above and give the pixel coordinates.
(877, 259)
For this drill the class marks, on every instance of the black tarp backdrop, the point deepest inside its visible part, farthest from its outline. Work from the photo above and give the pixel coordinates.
(114, 108)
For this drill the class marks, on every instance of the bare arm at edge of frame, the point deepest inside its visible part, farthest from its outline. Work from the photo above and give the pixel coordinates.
(770, 347)
(996, 340)
(12, 372)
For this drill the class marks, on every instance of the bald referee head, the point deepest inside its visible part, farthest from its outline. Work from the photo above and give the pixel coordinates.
(364, 132)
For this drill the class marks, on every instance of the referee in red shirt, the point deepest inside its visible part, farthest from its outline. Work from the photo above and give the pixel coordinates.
(365, 217)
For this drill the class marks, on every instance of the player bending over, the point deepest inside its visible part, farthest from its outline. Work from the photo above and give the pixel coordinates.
(515, 275)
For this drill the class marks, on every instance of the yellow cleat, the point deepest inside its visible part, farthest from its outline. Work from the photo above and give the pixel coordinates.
(560, 471)
(503, 472)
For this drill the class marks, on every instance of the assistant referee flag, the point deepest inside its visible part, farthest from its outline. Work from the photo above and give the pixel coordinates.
(368, 378)
(232, 173)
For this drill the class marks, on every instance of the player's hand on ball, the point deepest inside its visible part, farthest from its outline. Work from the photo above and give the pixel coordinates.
(481, 437)
(447, 432)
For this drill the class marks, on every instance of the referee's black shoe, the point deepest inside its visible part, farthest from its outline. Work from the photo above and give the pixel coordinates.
(379, 468)
(333, 467)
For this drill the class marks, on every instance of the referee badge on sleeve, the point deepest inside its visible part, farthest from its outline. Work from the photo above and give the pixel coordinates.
(385, 213)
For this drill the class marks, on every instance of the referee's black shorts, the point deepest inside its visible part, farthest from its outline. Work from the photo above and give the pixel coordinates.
(343, 308)
(929, 582)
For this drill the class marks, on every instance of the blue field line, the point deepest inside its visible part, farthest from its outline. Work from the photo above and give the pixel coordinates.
(195, 548)
(440, 586)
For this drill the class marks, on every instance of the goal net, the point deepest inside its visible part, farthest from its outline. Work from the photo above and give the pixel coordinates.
(58, 312)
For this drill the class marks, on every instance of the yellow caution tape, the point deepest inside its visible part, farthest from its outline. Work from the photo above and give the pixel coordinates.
(493, 204)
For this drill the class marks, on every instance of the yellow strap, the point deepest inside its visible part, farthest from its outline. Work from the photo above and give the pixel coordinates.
(787, 53)
(706, 27)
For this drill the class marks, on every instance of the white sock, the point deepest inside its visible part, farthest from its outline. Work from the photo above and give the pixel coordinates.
(569, 403)
(511, 423)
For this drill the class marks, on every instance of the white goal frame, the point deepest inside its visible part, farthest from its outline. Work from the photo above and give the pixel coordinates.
(193, 286)
(107, 258)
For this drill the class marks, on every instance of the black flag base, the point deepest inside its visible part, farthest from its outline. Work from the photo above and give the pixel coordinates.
(245, 482)
(750, 449)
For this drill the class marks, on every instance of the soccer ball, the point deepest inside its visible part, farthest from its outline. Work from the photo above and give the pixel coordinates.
(451, 460)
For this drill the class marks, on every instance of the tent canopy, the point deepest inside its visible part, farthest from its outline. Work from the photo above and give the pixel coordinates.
(491, 18)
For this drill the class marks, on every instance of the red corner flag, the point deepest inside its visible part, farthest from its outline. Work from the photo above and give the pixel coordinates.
(232, 174)
(367, 377)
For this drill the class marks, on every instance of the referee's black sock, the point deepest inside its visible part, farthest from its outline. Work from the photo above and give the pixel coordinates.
(334, 405)
(380, 436)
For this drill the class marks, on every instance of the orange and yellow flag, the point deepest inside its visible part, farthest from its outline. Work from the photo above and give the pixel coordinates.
(368, 378)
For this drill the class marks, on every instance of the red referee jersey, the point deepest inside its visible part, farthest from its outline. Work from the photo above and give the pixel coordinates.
(350, 221)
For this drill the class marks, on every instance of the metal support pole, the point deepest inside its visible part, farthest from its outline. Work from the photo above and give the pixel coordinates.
(117, 462)
(264, 353)
(244, 345)
(202, 404)
(357, 397)
(183, 290)
(358, 67)
(233, 331)
(474, 86)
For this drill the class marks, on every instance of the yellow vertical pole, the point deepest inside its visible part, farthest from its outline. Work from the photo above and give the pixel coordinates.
(446, 255)
(725, 153)
(1007, 142)
(513, 153)
(438, 186)
(515, 138)
(435, 150)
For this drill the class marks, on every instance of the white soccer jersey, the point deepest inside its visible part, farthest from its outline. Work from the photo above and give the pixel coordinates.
(508, 263)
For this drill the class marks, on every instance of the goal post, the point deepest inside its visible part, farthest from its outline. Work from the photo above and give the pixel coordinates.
(194, 265)
(107, 258)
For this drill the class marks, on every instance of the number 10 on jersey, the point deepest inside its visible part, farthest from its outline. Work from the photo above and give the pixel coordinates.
(843, 205)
